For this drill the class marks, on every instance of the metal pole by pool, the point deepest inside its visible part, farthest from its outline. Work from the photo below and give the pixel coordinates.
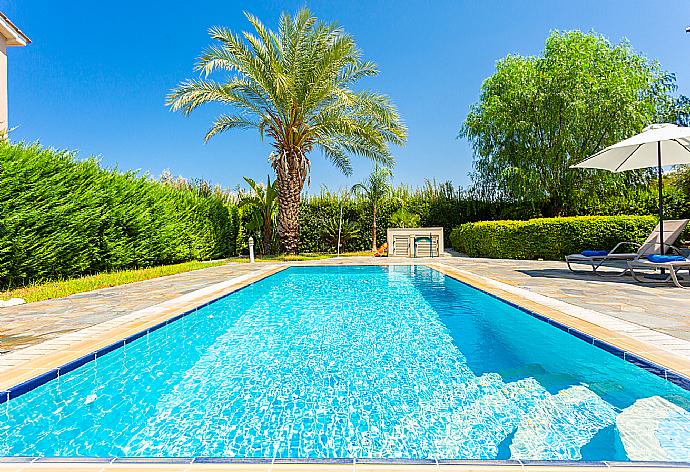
(340, 227)
(661, 200)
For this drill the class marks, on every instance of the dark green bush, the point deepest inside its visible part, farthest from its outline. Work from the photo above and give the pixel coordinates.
(548, 238)
(61, 217)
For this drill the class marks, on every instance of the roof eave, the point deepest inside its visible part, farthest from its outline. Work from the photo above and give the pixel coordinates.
(13, 35)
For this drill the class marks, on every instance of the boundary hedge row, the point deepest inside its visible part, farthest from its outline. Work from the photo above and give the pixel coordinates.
(548, 238)
(61, 217)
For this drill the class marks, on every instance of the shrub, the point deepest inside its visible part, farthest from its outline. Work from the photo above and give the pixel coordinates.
(336, 231)
(61, 217)
(548, 238)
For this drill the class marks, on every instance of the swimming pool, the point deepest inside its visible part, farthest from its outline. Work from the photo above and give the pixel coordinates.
(360, 361)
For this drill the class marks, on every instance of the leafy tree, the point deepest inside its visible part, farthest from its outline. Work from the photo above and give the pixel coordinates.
(294, 85)
(538, 115)
(681, 178)
(263, 203)
(375, 188)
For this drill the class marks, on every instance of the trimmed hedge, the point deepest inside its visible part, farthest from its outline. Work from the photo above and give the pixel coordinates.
(61, 217)
(548, 238)
(449, 207)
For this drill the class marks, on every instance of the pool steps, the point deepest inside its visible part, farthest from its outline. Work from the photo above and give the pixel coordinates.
(549, 427)
(654, 429)
(492, 417)
(558, 426)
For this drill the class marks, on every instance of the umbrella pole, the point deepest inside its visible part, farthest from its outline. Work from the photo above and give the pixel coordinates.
(661, 201)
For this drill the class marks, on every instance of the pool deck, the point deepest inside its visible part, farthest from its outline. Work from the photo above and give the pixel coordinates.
(40, 339)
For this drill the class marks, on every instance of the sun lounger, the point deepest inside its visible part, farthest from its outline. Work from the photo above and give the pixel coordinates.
(669, 270)
(672, 230)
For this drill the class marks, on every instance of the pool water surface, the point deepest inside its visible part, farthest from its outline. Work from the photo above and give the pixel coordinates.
(358, 361)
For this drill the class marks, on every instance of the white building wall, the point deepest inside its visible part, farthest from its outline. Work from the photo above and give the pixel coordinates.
(3, 84)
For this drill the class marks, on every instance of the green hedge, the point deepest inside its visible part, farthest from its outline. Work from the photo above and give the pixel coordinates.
(548, 238)
(450, 207)
(61, 217)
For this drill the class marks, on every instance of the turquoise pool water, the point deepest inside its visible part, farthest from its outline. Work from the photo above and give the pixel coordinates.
(325, 362)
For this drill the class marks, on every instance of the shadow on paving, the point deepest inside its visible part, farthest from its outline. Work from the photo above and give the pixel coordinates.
(606, 276)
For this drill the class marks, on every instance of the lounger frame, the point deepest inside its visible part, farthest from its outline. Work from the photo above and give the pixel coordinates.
(672, 267)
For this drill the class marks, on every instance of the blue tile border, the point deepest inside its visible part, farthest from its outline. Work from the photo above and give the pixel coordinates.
(579, 334)
(70, 366)
(678, 379)
(27, 386)
(642, 363)
(110, 348)
(314, 460)
(651, 367)
(232, 460)
(471, 462)
(152, 460)
(17, 459)
(648, 464)
(531, 463)
(31, 384)
(344, 461)
(84, 460)
(395, 461)
(609, 348)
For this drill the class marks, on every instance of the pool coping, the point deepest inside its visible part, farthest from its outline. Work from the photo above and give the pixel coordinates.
(111, 335)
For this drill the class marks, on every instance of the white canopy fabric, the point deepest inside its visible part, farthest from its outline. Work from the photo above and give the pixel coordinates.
(668, 141)
(656, 146)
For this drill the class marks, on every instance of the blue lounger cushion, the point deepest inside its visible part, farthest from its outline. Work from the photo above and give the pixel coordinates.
(659, 259)
(592, 253)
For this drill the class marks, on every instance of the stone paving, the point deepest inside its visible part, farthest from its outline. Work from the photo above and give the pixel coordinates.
(25, 325)
(661, 308)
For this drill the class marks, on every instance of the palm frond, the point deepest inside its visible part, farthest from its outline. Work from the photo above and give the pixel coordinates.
(226, 122)
(294, 85)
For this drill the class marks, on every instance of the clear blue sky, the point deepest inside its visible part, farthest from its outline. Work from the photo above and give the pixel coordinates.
(96, 75)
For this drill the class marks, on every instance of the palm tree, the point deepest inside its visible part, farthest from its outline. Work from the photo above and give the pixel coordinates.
(263, 201)
(375, 188)
(338, 233)
(294, 86)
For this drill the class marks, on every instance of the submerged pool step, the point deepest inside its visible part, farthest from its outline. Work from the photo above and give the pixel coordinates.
(654, 429)
(478, 430)
(559, 425)
(470, 420)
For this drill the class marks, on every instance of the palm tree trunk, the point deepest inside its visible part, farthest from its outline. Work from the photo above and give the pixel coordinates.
(373, 240)
(268, 236)
(291, 167)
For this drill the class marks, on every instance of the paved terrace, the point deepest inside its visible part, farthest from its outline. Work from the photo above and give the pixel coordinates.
(663, 309)
(26, 325)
